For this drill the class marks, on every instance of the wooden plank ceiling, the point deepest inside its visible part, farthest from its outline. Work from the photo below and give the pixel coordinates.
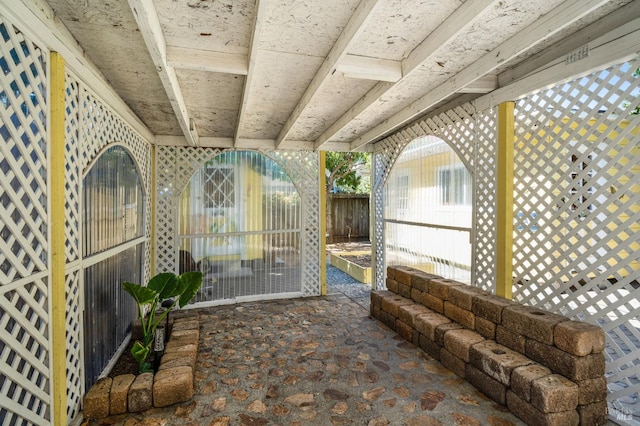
(309, 74)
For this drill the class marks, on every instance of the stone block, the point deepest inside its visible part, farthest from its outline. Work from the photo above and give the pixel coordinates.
(579, 338)
(490, 307)
(375, 310)
(534, 417)
(185, 337)
(404, 290)
(393, 303)
(495, 360)
(391, 272)
(408, 313)
(442, 329)
(420, 280)
(453, 363)
(462, 296)
(554, 393)
(403, 274)
(416, 295)
(119, 393)
(172, 386)
(387, 319)
(177, 360)
(510, 339)
(440, 287)
(140, 396)
(571, 366)
(595, 414)
(427, 323)
(186, 350)
(404, 330)
(378, 295)
(486, 328)
(392, 285)
(185, 324)
(531, 322)
(96, 401)
(592, 390)
(523, 377)
(432, 302)
(429, 346)
(459, 315)
(459, 342)
(486, 384)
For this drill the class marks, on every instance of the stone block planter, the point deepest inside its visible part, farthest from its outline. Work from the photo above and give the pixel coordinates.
(172, 384)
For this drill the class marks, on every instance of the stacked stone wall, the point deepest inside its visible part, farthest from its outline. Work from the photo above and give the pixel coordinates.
(546, 368)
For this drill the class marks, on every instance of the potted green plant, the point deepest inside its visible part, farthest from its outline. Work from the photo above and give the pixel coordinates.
(179, 288)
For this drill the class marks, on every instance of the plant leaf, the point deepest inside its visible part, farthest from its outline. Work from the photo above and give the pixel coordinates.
(142, 295)
(165, 284)
(189, 284)
(140, 352)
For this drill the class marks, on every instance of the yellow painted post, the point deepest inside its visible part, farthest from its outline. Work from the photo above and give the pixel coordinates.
(58, 257)
(323, 221)
(506, 136)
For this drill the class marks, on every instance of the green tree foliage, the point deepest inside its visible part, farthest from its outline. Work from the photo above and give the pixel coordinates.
(342, 170)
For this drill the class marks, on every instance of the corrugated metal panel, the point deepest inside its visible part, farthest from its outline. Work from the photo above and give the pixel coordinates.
(113, 215)
(240, 221)
(428, 210)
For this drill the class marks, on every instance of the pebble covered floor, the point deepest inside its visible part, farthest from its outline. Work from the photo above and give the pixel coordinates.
(316, 361)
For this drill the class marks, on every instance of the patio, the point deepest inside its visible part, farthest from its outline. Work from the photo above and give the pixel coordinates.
(319, 360)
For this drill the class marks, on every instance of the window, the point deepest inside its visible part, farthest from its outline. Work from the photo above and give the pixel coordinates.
(219, 188)
(455, 186)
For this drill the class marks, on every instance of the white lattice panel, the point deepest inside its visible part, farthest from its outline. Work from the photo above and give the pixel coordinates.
(73, 326)
(24, 329)
(471, 135)
(176, 165)
(577, 212)
(72, 170)
(485, 201)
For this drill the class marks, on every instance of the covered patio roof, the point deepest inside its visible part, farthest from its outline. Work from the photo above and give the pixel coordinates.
(330, 75)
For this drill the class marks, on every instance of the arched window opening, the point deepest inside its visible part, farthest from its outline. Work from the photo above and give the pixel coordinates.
(113, 220)
(428, 210)
(239, 223)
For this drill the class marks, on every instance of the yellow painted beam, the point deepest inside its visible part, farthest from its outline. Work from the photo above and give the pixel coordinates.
(58, 257)
(323, 221)
(504, 255)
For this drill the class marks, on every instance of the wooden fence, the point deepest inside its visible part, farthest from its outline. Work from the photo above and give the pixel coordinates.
(350, 214)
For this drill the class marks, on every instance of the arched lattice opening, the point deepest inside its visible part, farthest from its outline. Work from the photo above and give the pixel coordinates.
(239, 223)
(113, 247)
(428, 210)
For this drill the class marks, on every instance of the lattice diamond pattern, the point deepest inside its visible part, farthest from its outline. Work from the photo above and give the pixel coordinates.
(75, 365)
(471, 135)
(23, 163)
(24, 365)
(485, 243)
(72, 171)
(577, 211)
(175, 166)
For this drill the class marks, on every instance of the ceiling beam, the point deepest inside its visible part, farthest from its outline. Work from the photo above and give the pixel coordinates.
(206, 60)
(462, 18)
(580, 38)
(258, 18)
(147, 18)
(349, 35)
(618, 45)
(546, 26)
(484, 84)
(364, 67)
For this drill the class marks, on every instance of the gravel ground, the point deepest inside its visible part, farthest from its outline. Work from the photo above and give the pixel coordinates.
(340, 282)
